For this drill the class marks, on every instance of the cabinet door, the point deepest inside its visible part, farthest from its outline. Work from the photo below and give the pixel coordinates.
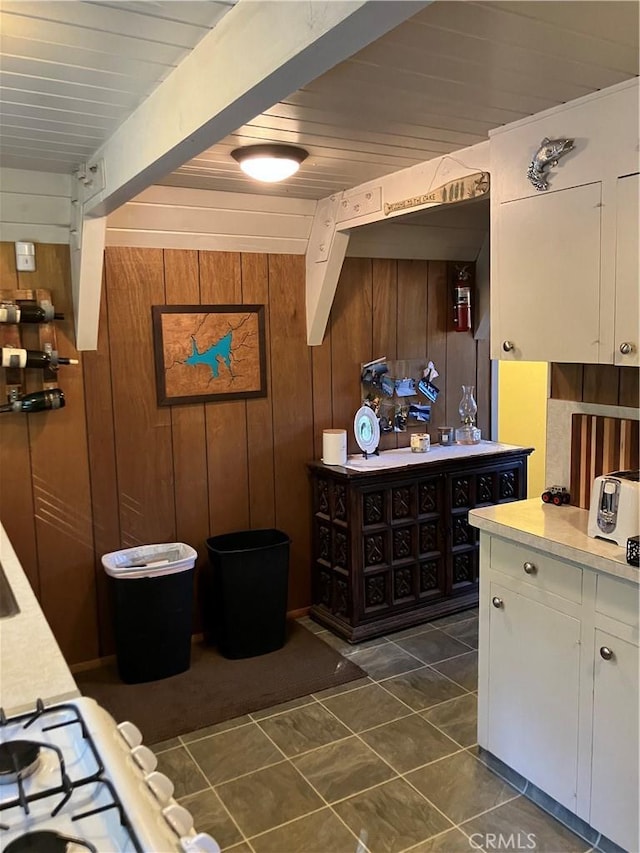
(533, 691)
(614, 781)
(547, 276)
(626, 320)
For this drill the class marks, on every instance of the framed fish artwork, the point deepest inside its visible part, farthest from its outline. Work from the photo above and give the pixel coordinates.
(208, 353)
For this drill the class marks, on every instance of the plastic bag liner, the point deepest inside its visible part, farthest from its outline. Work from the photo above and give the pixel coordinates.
(148, 561)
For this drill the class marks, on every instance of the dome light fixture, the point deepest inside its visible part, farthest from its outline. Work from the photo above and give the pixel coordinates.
(269, 163)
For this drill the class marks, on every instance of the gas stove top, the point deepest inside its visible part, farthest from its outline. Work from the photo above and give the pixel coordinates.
(72, 780)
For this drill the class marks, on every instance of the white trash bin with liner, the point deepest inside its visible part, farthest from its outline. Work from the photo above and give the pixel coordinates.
(153, 609)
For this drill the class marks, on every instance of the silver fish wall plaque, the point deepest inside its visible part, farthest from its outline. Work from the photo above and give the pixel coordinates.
(550, 151)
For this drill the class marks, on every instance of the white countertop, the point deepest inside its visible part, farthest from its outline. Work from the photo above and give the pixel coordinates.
(31, 663)
(404, 456)
(561, 531)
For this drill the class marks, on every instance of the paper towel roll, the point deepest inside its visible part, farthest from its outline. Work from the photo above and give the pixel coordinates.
(334, 446)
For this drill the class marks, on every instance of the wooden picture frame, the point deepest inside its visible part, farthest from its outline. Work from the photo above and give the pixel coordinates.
(208, 353)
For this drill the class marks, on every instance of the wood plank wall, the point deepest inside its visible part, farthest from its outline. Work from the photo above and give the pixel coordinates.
(596, 383)
(113, 469)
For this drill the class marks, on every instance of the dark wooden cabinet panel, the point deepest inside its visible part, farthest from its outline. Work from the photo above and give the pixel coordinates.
(393, 548)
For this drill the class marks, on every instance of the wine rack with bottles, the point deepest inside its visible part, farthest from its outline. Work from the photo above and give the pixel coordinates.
(29, 351)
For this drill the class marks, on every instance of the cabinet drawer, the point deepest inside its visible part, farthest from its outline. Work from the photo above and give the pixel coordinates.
(618, 599)
(538, 569)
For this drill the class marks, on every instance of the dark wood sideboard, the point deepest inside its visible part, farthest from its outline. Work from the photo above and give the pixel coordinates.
(393, 548)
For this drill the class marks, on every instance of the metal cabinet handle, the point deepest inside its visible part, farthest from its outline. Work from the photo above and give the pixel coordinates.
(530, 568)
(497, 602)
(605, 653)
(508, 346)
(626, 348)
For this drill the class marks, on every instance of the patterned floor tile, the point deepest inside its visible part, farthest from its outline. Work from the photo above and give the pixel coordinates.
(466, 632)
(432, 646)
(178, 765)
(230, 754)
(453, 841)
(422, 688)
(457, 718)
(209, 815)
(385, 661)
(461, 786)
(342, 769)
(370, 706)
(303, 729)
(409, 743)
(525, 823)
(320, 832)
(267, 798)
(391, 817)
(463, 670)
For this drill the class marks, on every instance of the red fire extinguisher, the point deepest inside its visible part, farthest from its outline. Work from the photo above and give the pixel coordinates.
(462, 301)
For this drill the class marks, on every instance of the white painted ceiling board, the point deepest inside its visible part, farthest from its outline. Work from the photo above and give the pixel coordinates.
(74, 71)
(77, 70)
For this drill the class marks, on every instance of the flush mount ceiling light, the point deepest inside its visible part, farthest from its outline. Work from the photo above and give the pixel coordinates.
(269, 163)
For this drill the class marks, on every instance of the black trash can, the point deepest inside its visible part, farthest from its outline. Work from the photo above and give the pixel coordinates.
(245, 607)
(153, 610)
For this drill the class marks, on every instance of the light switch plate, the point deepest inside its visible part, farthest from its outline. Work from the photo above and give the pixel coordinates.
(25, 257)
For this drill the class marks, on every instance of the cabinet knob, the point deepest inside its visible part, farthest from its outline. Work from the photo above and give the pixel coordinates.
(530, 568)
(605, 653)
(626, 348)
(507, 346)
(497, 602)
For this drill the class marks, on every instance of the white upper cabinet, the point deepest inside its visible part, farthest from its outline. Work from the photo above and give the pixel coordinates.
(627, 319)
(564, 264)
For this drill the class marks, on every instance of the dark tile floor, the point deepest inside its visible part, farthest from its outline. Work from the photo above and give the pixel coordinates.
(385, 764)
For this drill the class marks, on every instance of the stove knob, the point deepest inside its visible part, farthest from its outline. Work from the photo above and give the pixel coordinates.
(161, 786)
(200, 843)
(178, 818)
(144, 758)
(131, 734)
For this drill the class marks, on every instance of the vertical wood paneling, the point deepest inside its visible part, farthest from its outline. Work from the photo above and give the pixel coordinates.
(135, 282)
(189, 448)
(188, 430)
(292, 415)
(101, 447)
(16, 489)
(255, 290)
(412, 309)
(62, 502)
(351, 341)
(412, 317)
(438, 313)
(385, 321)
(600, 384)
(221, 283)
(187, 472)
(322, 400)
(566, 381)
(629, 387)
(596, 383)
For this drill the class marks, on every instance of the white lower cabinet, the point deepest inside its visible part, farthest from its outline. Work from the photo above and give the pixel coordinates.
(533, 691)
(616, 747)
(559, 667)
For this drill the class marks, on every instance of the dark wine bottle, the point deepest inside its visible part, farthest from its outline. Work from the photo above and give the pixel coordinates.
(28, 312)
(38, 401)
(14, 357)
